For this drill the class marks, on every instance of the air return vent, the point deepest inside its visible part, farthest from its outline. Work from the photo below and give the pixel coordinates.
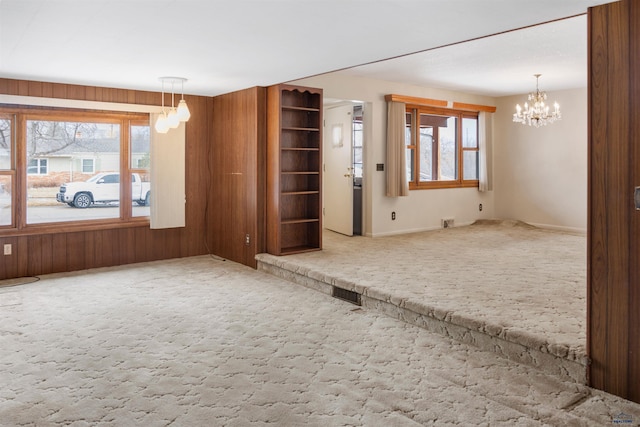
(447, 222)
(345, 295)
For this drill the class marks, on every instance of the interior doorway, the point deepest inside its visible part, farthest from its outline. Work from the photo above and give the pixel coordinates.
(343, 167)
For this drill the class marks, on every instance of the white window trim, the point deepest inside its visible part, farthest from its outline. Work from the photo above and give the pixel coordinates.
(38, 166)
(93, 165)
(73, 103)
(168, 189)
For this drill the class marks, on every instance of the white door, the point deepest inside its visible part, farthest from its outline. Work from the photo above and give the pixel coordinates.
(338, 171)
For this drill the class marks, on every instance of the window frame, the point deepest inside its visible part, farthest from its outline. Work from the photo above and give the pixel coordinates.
(11, 172)
(475, 149)
(415, 183)
(21, 114)
(39, 166)
(93, 164)
(358, 150)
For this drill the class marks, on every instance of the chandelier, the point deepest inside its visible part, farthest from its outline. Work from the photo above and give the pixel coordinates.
(172, 119)
(537, 114)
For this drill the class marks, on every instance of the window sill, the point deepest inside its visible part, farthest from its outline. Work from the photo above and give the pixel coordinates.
(54, 228)
(443, 185)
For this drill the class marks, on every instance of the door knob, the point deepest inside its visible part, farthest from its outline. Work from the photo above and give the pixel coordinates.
(636, 198)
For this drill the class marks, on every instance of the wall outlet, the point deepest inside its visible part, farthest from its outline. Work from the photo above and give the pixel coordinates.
(393, 216)
(7, 248)
(447, 222)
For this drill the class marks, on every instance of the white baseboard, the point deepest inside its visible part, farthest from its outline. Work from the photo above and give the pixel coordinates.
(575, 230)
(413, 230)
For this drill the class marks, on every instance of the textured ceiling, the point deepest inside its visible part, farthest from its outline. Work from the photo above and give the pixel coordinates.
(499, 65)
(222, 46)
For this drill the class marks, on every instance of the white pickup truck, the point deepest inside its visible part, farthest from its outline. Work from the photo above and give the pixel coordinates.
(102, 188)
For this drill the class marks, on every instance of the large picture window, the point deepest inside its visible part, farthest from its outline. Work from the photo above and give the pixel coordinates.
(442, 148)
(77, 168)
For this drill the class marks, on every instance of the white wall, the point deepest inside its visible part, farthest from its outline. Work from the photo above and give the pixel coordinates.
(423, 209)
(540, 174)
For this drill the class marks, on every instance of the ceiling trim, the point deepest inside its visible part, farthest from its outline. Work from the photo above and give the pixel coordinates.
(428, 102)
(474, 107)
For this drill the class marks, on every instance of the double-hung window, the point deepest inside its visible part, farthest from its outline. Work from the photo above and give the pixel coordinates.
(442, 147)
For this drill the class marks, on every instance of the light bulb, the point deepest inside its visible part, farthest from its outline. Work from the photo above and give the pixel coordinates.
(161, 124)
(183, 111)
(172, 119)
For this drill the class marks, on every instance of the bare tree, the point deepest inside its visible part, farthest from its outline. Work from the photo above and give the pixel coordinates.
(48, 137)
(5, 134)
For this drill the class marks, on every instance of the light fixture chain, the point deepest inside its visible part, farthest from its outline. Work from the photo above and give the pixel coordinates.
(181, 114)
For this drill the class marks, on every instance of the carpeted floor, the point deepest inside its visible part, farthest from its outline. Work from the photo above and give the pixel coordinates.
(201, 342)
(506, 273)
(498, 284)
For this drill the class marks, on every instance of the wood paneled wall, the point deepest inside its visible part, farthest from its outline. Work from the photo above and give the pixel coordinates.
(634, 226)
(237, 202)
(35, 254)
(614, 224)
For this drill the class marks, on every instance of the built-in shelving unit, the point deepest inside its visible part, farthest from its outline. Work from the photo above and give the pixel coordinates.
(294, 163)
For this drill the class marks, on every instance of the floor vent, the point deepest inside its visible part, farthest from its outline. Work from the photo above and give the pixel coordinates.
(447, 222)
(345, 295)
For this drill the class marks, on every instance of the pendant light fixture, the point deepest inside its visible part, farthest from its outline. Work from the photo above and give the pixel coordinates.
(183, 110)
(537, 114)
(161, 124)
(172, 119)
